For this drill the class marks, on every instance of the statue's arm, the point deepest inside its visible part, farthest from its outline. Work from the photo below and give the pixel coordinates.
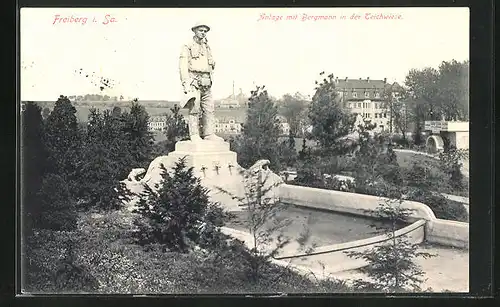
(211, 60)
(184, 65)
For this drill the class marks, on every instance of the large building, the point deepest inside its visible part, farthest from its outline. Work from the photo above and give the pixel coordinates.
(366, 98)
(228, 125)
(157, 123)
(232, 101)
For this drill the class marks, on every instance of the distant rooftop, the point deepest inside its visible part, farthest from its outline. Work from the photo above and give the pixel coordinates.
(361, 83)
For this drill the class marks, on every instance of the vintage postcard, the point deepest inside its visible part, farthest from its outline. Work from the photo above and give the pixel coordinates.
(255, 150)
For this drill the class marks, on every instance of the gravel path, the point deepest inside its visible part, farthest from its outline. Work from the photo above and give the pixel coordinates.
(449, 270)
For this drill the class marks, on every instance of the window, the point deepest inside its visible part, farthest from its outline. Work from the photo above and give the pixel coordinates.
(354, 94)
(367, 95)
(385, 115)
(376, 115)
(377, 95)
(359, 105)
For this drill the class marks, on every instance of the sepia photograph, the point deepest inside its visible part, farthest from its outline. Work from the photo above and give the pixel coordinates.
(244, 150)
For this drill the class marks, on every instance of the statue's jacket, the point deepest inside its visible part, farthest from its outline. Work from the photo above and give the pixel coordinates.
(195, 58)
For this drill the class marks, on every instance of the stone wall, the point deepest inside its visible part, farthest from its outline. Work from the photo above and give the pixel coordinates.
(438, 231)
(333, 256)
(449, 233)
(352, 203)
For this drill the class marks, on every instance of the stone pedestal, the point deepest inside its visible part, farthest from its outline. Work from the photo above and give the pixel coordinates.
(214, 164)
(210, 160)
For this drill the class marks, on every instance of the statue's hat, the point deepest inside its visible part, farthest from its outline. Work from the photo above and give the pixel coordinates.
(200, 24)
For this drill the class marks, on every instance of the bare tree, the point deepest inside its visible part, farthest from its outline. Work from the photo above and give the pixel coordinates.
(262, 221)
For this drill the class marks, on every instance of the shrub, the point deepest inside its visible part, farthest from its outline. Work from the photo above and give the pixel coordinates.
(400, 141)
(309, 174)
(441, 207)
(56, 205)
(53, 266)
(451, 163)
(391, 265)
(333, 183)
(178, 213)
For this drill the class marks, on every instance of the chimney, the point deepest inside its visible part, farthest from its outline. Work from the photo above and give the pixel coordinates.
(385, 80)
(360, 79)
(345, 79)
(336, 79)
(367, 79)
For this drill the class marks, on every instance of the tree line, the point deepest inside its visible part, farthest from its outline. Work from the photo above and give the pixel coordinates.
(69, 166)
(427, 94)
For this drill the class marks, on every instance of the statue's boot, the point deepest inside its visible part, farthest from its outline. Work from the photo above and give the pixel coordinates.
(194, 129)
(208, 128)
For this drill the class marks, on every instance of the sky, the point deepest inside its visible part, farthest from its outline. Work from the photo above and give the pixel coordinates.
(139, 51)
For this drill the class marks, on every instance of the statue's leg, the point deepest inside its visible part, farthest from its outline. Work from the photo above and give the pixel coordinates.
(193, 121)
(208, 115)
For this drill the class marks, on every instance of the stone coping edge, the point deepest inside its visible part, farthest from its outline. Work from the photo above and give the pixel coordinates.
(445, 232)
(336, 201)
(448, 233)
(352, 265)
(360, 243)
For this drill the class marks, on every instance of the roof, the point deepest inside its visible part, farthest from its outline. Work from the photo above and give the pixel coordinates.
(364, 89)
(239, 115)
(396, 87)
(157, 118)
(236, 99)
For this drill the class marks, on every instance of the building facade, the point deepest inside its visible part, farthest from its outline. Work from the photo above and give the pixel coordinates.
(232, 101)
(234, 125)
(284, 126)
(228, 125)
(366, 97)
(157, 123)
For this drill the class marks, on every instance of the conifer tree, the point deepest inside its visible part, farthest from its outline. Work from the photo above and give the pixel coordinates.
(137, 135)
(33, 161)
(104, 154)
(178, 212)
(260, 135)
(63, 142)
(57, 206)
(391, 264)
(329, 120)
(176, 129)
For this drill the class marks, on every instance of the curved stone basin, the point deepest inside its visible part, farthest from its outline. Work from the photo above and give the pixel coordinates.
(324, 227)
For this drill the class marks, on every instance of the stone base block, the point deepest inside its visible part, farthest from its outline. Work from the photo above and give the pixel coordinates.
(207, 164)
(203, 146)
(213, 163)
